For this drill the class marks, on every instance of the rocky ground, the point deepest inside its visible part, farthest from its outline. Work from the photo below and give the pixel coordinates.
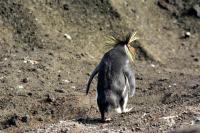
(48, 49)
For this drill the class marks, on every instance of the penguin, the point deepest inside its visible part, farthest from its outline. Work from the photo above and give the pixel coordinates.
(116, 78)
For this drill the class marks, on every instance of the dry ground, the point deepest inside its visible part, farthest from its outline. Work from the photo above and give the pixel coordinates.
(48, 49)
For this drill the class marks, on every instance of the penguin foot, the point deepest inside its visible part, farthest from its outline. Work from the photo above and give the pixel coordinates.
(107, 120)
(118, 110)
(127, 110)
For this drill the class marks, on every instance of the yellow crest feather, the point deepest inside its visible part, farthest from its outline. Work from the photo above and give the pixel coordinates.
(133, 37)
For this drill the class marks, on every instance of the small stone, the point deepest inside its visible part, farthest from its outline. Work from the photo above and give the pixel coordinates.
(124, 129)
(67, 36)
(82, 54)
(20, 87)
(120, 131)
(40, 119)
(30, 93)
(105, 131)
(187, 34)
(60, 90)
(64, 130)
(73, 87)
(137, 129)
(66, 7)
(51, 53)
(74, 125)
(66, 81)
(88, 74)
(184, 44)
(25, 80)
(139, 78)
(12, 121)
(194, 86)
(46, 35)
(196, 59)
(25, 118)
(152, 65)
(181, 74)
(50, 98)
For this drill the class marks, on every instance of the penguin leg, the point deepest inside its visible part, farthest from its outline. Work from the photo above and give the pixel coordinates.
(103, 111)
(103, 119)
(124, 101)
(124, 108)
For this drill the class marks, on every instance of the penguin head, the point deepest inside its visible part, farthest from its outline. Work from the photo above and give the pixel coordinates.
(128, 41)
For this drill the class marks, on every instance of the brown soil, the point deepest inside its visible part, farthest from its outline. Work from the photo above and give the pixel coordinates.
(48, 49)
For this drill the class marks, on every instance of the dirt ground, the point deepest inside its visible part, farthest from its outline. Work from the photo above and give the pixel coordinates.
(48, 48)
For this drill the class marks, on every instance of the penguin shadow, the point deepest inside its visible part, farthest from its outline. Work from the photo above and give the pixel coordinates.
(95, 121)
(89, 120)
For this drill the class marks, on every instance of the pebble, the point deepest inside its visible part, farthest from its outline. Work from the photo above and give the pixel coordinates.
(40, 119)
(184, 44)
(66, 7)
(196, 59)
(25, 80)
(64, 130)
(105, 131)
(66, 81)
(30, 93)
(25, 118)
(137, 129)
(50, 98)
(20, 87)
(67, 36)
(152, 65)
(12, 121)
(60, 90)
(73, 87)
(120, 131)
(186, 34)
